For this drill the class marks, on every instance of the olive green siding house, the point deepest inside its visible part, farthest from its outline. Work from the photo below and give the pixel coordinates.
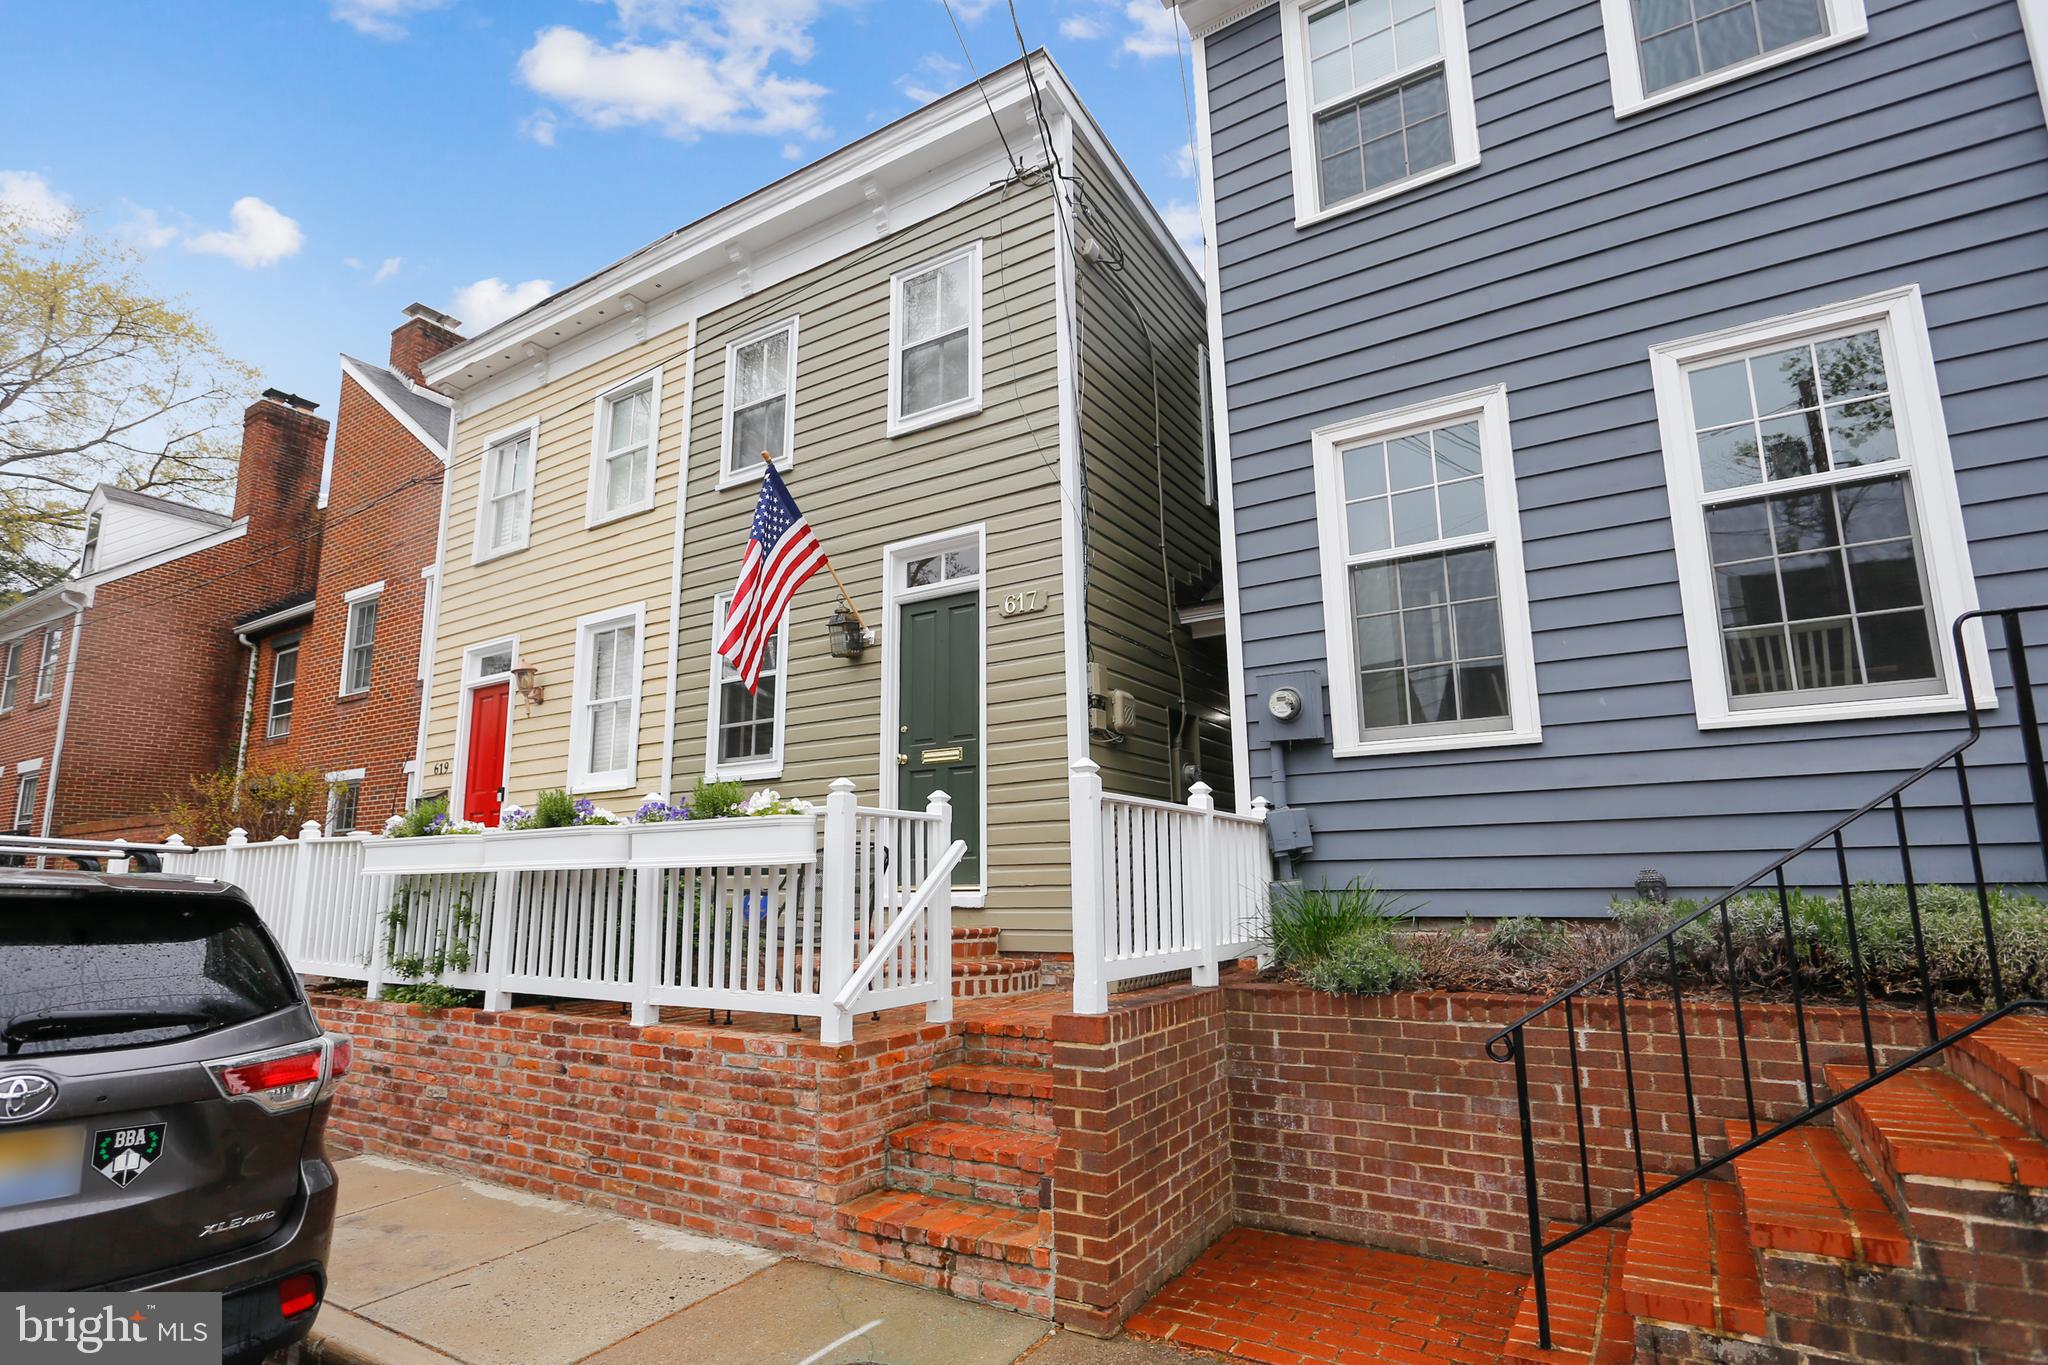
(981, 381)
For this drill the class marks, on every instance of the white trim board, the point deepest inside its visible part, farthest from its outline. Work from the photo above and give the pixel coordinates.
(1942, 544)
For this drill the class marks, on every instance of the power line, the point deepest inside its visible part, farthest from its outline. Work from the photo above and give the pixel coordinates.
(974, 71)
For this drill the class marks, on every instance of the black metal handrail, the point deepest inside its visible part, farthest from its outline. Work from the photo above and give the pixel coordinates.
(1509, 1044)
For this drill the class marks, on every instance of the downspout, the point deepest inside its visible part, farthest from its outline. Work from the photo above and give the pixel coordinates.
(248, 709)
(675, 574)
(63, 719)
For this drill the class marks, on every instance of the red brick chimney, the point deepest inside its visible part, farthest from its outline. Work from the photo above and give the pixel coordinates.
(425, 334)
(283, 448)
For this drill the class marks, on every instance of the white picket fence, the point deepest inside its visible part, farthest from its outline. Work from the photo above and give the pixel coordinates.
(859, 921)
(1160, 887)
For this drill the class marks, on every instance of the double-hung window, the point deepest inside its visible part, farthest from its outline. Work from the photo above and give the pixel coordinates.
(46, 666)
(935, 341)
(1815, 516)
(10, 675)
(505, 507)
(284, 683)
(746, 727)
(89, 557)
(1424, 604)
(1379, 96)
(26, 786)
(359, 639)
(607, 719)
(760, 401)
(622, 449)
(1660, 50)
(344, 795)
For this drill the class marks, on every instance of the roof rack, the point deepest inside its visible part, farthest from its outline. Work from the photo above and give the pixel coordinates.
(91, 855)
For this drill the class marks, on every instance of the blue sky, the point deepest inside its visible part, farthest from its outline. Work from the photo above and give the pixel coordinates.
(300, 170)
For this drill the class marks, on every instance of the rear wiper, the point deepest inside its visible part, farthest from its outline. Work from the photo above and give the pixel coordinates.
(76, 1022)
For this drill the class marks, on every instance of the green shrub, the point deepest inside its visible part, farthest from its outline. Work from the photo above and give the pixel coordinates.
(553, 809)
(1365, 961)
(1525, 937)
(1307, 924)
(414, 822)
(714, 800)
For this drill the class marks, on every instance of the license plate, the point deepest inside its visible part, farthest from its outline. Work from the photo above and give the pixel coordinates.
(40, 1163)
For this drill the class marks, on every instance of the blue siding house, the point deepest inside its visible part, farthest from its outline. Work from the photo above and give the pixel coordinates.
(1620, 399)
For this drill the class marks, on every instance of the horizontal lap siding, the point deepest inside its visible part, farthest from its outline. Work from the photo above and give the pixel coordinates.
(862, 490)
(566, 571)
(1137, 495)
(1914, 155)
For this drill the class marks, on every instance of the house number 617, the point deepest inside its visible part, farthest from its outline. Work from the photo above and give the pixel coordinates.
(1023, 603)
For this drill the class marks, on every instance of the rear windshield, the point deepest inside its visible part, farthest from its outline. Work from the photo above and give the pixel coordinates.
(87, 972)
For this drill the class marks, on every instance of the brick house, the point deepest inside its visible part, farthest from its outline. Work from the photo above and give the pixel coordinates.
(158, 660)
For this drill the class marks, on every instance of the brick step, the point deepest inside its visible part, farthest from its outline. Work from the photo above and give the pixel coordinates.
(1927, 1123)
(1689, 1262)
(978, 978)
(973, 1161)
(1588, 1323)
(2008, 1061)
(982, 1252)
(1013, 1097)
(1803, 1192)
(981, 941)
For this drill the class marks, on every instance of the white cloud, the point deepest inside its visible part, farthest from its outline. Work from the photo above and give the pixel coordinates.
(145, 229)
(972, 10)
(1155, 29)
(489, 302)
(379, 18)
(352, 263)
(935, 76)
(792, 151)
(1184, 161)
(28, 197)
(539, 126)
(1081, 27)
(389, 268)
(713, 73)
(260, 235)
(1184, 221)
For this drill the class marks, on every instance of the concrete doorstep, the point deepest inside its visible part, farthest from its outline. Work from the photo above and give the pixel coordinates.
(429, 1268)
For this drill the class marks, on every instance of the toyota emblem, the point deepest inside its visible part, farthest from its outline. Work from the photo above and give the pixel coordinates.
(23, 1097)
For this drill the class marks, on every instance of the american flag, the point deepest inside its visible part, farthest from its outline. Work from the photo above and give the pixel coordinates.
(781, 554)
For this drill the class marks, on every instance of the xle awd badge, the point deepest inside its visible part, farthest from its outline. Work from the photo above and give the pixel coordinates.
(122, 1154)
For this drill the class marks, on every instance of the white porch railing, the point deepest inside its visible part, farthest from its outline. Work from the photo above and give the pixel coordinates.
(1160, 887)
(828, 916)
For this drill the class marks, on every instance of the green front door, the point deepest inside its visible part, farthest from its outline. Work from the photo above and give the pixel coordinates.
(938, 732)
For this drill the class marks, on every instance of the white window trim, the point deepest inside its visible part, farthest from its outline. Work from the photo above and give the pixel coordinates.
(295, 648)
(1845, 23)
(474, 677)
(594, 512)
(48, 663)
(753, 769)
(1302, 109)
(581, 778)
(10, 662)
(29, 765)
(1504, 532)
(964, 407)
(751, 474)
(24, 774)
(479, 552)
(368, 592)
(1930, 476)
(355, 775)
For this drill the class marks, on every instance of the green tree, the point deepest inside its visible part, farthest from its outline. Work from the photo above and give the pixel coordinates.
(101, 381)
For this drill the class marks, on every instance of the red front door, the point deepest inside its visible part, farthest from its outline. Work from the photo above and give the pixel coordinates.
(483, 777)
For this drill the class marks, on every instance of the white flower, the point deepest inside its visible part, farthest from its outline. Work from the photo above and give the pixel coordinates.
(393, 823)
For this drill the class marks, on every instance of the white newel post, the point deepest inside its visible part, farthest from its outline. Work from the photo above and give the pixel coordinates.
(835, 950)
(939, 917)
(504, 893)
(1084, 819)
(299, 904)
(647, 913)
(238, 839)
(1260, 805)
(1205, 907)
(381, 930)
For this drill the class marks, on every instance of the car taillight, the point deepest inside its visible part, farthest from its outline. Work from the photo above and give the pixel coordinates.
(296, 1294)
(285, 1078)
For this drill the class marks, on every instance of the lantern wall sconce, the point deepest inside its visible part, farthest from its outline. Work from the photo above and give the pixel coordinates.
(527, 681)
(848, 637)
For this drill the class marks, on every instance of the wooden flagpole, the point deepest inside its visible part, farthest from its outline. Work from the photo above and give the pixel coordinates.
(840, 583)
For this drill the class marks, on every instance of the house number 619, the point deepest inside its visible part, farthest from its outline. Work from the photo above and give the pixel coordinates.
(1023, 603)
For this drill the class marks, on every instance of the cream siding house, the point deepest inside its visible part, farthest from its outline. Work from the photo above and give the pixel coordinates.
(981, 383)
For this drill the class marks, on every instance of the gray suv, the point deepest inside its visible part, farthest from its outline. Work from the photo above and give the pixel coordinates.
(164, 1092)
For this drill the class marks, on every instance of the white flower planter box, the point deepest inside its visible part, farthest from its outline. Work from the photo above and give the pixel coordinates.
(555, 850)
(737, 841)
(423, 854)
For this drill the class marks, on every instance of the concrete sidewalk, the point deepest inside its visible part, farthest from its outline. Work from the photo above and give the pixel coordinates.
(429, 1268)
